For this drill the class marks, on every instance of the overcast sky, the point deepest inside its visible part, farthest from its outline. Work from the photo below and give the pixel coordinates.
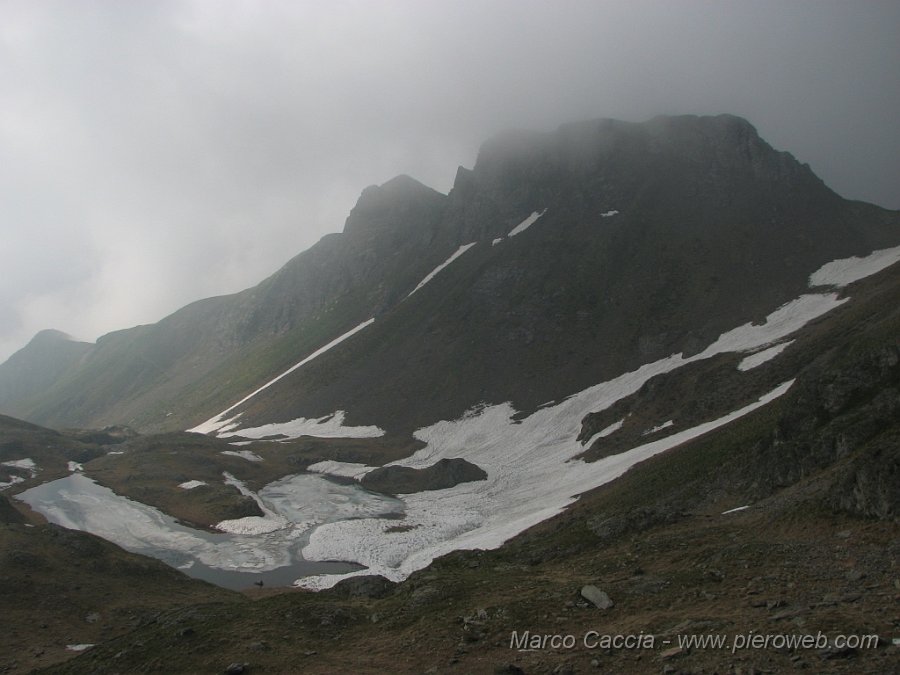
(153, 153)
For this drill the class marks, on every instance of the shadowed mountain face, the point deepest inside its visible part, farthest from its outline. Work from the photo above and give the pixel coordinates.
(653, 238)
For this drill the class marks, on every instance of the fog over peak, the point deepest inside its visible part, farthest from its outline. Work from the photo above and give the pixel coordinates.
(157, 153)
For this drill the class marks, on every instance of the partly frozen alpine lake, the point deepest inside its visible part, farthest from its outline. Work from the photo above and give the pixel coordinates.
(302, 502)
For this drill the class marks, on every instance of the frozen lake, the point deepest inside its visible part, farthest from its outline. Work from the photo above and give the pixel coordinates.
(236, 561)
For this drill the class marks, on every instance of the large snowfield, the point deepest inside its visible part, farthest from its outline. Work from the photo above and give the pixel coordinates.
(531, 466)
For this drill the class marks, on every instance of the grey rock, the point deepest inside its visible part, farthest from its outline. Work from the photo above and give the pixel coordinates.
(443, 474)
(855, 575)
(367, 586)
(599, 598)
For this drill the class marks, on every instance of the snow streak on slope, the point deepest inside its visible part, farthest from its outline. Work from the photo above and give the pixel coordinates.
(763, 356)
(658, 428)
(329, 426)
(219, 422)
(603, 433)
(342, 469)
(842, 272)
(191, 484)
(525, 224)
(243, 454)
(780, 323)
(431, 275)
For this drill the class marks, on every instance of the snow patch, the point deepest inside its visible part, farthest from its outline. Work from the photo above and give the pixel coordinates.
(525, 224)
(606, 431)
(845, 271)
(74, 466)
(13, 480)
(787, 319)
(332, 467)
(431, 275)
(219, 423)
(608, 214)
(761, 357)
(244, 454)
(736, 509)
(191, 484)
(268, 522)
(660, 427)
(79, 647)
(26, 463)
(328, 426)
(496, 241)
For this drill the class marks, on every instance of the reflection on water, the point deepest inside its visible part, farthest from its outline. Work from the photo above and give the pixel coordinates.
(230, 560)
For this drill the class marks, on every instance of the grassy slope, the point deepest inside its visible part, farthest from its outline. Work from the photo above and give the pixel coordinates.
(50, 450)
(59, 587)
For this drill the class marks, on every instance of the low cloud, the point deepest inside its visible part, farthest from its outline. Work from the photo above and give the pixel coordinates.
(156, 153)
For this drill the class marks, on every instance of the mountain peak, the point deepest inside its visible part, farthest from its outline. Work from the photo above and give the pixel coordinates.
(391, 204)
(715, 155)
(50, 336)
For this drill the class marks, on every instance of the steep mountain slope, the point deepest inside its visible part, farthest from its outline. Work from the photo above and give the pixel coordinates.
(653, 240)
(641, 240)
(145, 376)
(35, 368)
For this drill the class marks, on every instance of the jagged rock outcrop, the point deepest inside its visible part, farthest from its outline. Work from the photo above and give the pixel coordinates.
(844, 413)
(443, 474)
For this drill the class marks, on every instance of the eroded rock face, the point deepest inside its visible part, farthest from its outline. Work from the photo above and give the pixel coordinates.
(844, 412)
(402, 480)
(872, 485)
